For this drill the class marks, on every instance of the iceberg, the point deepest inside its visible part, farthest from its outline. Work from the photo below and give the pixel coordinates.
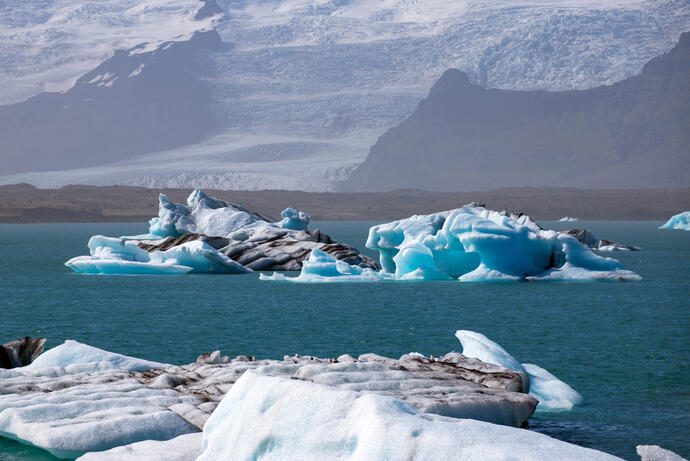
(121, 256)
(568, 219)
(322, 267)
(293, 219)
(73, 353)
(210, 235)
(552, 393)
(472, 244)
(680, 221)
(273, 418)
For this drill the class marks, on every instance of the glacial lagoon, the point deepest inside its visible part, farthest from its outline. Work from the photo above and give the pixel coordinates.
(623, 346)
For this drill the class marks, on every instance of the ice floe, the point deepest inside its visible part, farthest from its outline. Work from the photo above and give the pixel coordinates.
(568, 219)
(472, 244)
(79, 399)
(210, 235)
(680, 221)
(552, 393)
(272, 418)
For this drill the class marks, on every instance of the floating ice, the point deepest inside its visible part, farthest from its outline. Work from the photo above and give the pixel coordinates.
(322, 267)
(656, 453)
(272, 418)
(679, 221)
(473, 244)
(552, 393)
(568, 219)
(120, 256)
(293, 219)
(72, 352)
(210, 235)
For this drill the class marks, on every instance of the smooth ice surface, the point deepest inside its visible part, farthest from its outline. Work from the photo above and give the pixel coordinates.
(473, 244)
(113, 256)
(273, 418)
(72, 352)
(186, 447)
(679, 221)
(552, 393)
(293, 219)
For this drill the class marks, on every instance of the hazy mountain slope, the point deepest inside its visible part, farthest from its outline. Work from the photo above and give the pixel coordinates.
(135, 102)
(635, 133)
(308, 86)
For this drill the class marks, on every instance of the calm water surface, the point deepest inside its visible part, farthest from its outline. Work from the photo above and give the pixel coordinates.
(623, 346)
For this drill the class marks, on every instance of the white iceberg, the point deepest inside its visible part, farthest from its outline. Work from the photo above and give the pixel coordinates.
(568, 219)
(552, 393)
(474, 244)
(74, 353)
(271, 418)
(121, 256)
(680, 221)
(185, 447)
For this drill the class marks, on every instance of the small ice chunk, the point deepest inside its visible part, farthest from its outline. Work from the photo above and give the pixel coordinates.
(568, 219)
(680, 221)
(656, 453)
(293, 219)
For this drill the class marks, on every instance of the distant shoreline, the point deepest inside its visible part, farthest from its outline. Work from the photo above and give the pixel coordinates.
(23, 203)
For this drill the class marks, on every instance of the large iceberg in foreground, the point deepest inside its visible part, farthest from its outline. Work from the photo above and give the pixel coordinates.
(471, 244)
(271, 418)
(680, 221)
(552, 393)
(210, 235)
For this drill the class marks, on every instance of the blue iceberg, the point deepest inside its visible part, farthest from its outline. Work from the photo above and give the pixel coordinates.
(471, 244)
(680, 221)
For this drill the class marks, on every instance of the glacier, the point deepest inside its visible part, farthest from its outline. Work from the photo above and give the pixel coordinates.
(552, 393)
(680, 221)
(275, 418)
(308, 87)
(209, 235)
(469, 244)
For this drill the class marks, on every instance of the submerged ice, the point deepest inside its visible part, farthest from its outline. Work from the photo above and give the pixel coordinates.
(472, 244)
(680, 221)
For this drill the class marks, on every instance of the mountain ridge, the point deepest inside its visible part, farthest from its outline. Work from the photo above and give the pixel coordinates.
(465, 137)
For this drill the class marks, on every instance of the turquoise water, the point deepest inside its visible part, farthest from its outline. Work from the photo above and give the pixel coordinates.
(623, 346)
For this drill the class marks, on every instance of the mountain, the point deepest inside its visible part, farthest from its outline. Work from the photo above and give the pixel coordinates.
(634, 133)
(298, 92)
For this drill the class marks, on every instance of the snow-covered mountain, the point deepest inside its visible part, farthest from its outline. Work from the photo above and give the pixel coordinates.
(300, 89)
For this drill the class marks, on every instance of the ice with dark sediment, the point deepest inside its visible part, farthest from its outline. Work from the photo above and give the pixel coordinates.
(209, 235)
(469, 244)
